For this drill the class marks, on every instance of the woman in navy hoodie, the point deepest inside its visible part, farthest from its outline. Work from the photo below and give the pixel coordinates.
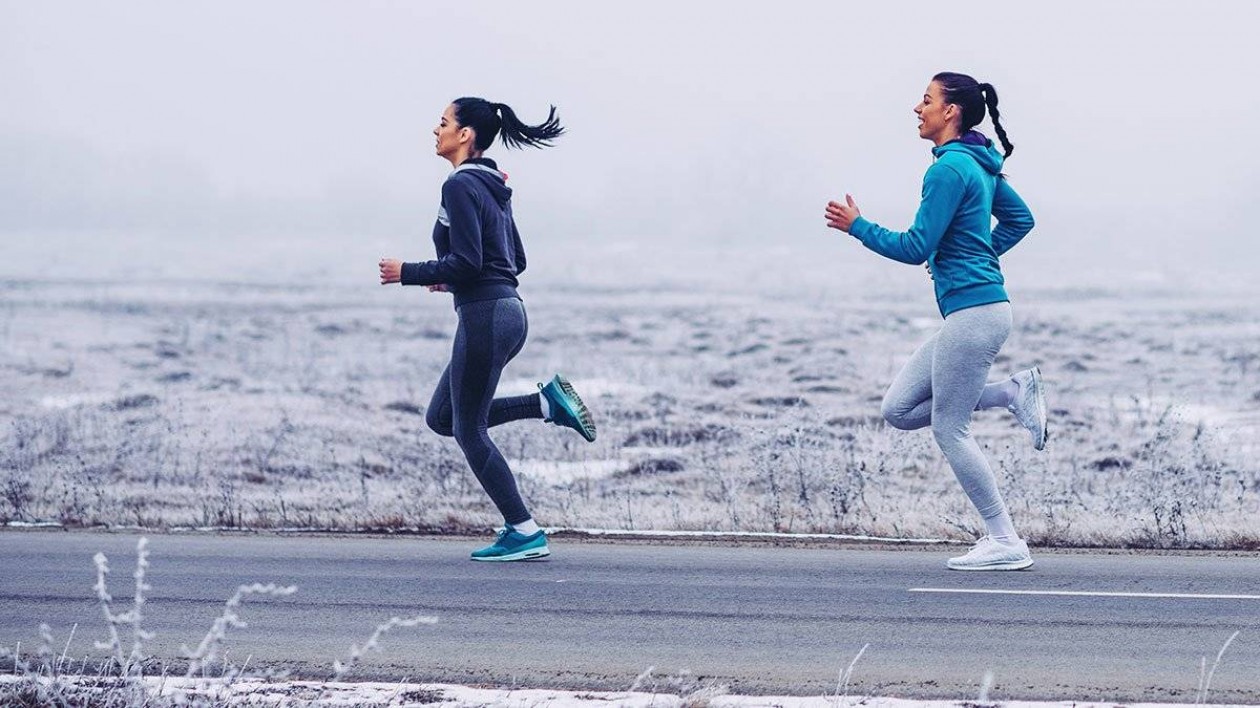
(945, 379)
(479, 257)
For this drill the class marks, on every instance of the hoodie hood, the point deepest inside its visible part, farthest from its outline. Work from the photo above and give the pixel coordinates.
(485, 171)
(978, 147)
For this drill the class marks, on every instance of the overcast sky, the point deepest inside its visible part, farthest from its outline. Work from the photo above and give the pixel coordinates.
(700, 123)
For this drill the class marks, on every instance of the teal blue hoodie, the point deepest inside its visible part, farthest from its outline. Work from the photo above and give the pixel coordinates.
(963, 191)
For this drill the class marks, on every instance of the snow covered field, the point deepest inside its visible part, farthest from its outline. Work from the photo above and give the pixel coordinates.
(147, 391)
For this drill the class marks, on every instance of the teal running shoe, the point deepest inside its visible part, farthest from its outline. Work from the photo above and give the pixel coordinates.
(511, 545)
(567, 409)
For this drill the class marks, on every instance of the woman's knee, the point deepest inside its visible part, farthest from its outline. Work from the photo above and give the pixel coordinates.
(896, 415)
(439, 421)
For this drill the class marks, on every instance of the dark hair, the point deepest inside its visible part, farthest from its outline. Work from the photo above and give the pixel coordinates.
(972, 96)
(488, 119)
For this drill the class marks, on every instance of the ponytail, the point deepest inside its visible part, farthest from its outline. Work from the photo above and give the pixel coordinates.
(991, 101)
(516, 134)
(489, 119)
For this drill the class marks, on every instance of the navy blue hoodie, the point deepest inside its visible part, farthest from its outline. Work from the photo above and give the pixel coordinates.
(479, 250)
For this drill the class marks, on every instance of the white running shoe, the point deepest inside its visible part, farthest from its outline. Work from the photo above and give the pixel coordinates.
(1029, 405)
(990, 554)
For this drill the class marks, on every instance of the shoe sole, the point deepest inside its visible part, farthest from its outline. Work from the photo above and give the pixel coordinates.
(1008, 565)
(586, 423)
(1042, 418)
(531, 554)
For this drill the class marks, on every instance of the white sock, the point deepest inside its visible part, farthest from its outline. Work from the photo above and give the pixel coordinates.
(545, 405)
(1001, 529)
(998, 395)
(526, 527)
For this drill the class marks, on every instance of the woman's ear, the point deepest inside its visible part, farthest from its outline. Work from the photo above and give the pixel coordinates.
(465, 135)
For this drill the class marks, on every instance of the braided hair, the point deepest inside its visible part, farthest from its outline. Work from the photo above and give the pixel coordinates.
(973, 98)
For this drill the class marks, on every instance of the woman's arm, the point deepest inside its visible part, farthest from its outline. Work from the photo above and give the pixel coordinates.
(1014, 218)
(464, 260)
(942, 193)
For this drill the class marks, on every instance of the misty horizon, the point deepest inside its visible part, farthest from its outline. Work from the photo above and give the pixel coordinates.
(698, 129)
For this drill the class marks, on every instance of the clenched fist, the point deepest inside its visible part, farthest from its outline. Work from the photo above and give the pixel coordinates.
(391, 271)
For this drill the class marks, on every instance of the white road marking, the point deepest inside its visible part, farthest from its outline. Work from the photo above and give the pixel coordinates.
(1086, 593)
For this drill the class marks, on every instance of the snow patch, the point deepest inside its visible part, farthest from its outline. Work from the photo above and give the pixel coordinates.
(256, 692)
(586, 388)
(73, 400)
(556, 472)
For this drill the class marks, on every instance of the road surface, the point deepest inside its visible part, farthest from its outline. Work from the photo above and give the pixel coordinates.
(595, 616)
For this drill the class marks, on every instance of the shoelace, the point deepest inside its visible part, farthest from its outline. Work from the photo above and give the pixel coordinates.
(979, 542)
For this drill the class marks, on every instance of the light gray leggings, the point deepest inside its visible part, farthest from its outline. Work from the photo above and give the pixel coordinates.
(941, 385)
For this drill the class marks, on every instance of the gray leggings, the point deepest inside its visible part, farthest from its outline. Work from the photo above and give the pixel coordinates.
(941, 385)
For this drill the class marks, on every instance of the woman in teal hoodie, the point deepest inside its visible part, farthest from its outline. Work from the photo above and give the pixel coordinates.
(945, 379)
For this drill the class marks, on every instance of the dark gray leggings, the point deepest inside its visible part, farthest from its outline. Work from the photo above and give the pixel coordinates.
(490, 333)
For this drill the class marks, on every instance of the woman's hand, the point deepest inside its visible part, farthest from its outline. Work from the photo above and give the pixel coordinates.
(841, 216)
(439, 288)
(391, 271)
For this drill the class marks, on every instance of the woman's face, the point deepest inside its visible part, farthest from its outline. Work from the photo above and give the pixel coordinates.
(936, 117)
(449, 134)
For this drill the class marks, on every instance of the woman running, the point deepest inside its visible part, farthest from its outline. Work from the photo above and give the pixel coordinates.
(944, 381)
(479, 257)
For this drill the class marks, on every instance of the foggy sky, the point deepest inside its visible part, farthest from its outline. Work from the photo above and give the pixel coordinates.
(717, 124)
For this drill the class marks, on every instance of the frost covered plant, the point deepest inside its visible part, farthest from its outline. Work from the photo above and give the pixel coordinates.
(44, 683)
(842, 681)
(208, 650)
(642, 679)
(691, 691)
(1205, 675)
(356, 652)
(15, 655)
(130, 663)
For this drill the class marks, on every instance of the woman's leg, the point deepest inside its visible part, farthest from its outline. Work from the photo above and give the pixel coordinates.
(440, 415)
(908, 403)
(490, 333)
(964, 353)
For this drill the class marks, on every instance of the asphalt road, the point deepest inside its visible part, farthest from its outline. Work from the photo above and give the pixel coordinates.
(595, 616)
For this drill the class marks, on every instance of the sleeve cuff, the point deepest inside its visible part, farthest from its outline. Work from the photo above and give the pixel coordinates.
(860, 228)
(410, 274)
